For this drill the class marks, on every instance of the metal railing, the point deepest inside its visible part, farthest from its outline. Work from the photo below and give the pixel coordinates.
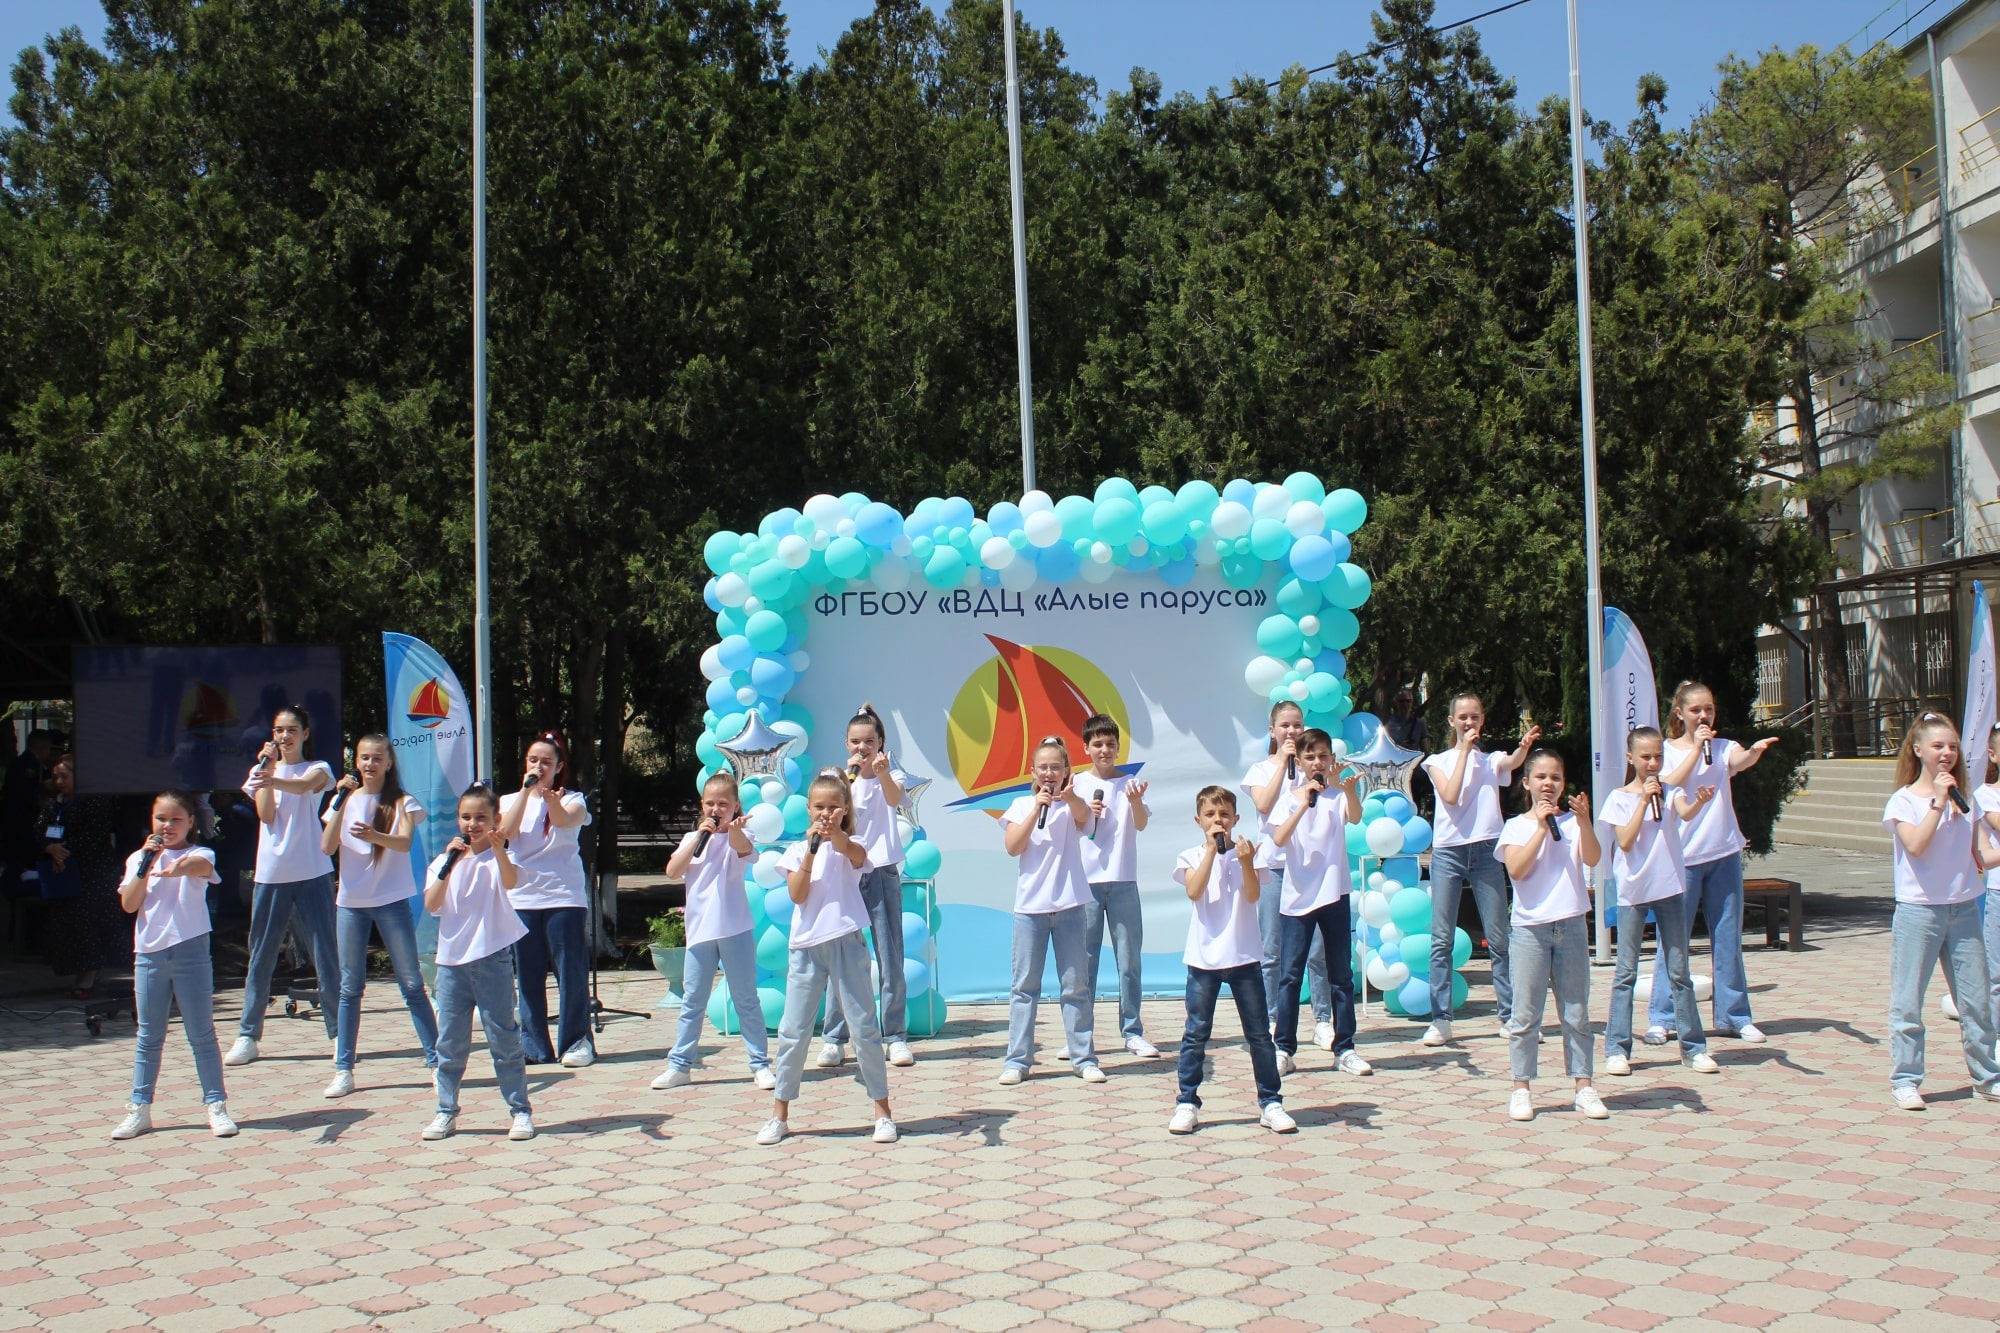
(1917, 540)
(1878, 724)
(1985, 527)
(1979, 146)
(1982, 339)
(1915, 183)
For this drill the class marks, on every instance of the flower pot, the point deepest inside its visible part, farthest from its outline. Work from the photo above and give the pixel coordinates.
(671, 964)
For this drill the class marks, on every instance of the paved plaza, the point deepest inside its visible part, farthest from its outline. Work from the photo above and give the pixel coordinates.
(1783, 1193)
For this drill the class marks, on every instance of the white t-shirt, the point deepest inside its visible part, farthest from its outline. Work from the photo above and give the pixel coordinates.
(1253, 781)
(1052, 876)
(716, 905)
(176, 906)
(551, 866)
(833, 905)
(1110, 842)
(1317, 874)
(1475, 816)
(288, 847)
(1713, 833)
(875, 825)
(371, 876)
(1946, 872)
(1652, 870)
(1986, 800)
(1222, 928)
(1553, 890)
(476, 921)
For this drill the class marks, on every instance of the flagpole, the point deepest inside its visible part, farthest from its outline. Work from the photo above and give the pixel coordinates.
(1593, 583)
(482, 639)
(1019, 209)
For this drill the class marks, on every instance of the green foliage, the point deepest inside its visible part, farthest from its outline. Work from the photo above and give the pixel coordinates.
(668, 930)
(1761, 792)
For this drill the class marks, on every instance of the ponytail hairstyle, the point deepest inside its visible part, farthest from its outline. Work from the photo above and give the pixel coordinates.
(1676, 723)
(186, 801)
(1056, 743)
(866, 716)
(1276, 709)
(304, 719)
(1909, 766)
(834, 780)
(553, 739)
(479, 791)
(1637, 734)
(1535, 756)
(391, 801)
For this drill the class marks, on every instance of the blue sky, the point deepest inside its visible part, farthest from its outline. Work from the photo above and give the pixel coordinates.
(1198, 44)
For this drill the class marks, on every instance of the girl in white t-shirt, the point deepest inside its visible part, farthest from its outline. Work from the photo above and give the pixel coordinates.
(876, 785)
(294, 877)
(710, 861)
(539, 824)
(1051, 893)
(1938, 852)
(1986, 805)
(1467, 781)
(1267, 782)
(1545, 852)
(166, 884)
(823, 878)
(370, 825)
(477, 930)
(1645, 819)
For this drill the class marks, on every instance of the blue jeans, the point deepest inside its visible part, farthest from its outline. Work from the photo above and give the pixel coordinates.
(178, 973)
(1670, 924)
(1246, 987)
(882, 894)
(1268, 902)
(1717, 888)
(273, 907)
(1331, 929)
(488, 985)
(1556, 955)
(736, 955)
(1034, 933)
(1116, 904)
(838, 965)
(1452, 868)
(399, 936)
(556, 940)
(1991, 919)
(1919, 936)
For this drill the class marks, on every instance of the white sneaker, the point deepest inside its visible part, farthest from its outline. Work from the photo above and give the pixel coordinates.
(1751, 1033)
(673, 1076)
(1438, 1033)
(579, 1056)
(219, 1123)
(1186, 1116)
(1323, 1036)
(764, 1078)
(1907, 1098)
(1063, 1054)
(1987, 1092)
(831, 1056)
(901, 1056)
(1701, 1062)
(1350, 1062)
(523, 1127)
(1277, 1121)
(1009, 1076)
(442, 1126)
(1657, 1036)
(1286, 1063)
(1617, 1066)
(1090, 1073)
(241, 1052)
(774, 1131)
(1520, 1105)
(886, 1131)
(1592, 1105)
(342, 1085)
(1142, 1048)
(138, 1119)
(1949, 1006)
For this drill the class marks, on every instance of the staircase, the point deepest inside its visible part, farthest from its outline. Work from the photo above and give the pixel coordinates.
(1841, 806)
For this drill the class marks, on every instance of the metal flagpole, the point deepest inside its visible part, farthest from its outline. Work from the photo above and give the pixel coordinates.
(1020, 255)
(482, 639)
(1593, 585)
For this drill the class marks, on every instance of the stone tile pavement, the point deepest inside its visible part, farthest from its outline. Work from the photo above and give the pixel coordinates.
(1784, 1193)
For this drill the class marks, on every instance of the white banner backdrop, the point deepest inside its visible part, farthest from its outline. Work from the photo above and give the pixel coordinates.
(969, 682)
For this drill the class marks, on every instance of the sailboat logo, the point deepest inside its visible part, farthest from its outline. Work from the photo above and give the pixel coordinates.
(1009, 704)
(430, 704)
(207, 711)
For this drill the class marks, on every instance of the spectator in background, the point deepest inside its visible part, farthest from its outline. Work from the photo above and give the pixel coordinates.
(26, 787)
(88, 929)
(1406, 724)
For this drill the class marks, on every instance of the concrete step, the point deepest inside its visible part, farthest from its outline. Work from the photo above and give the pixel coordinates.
(1841, 806)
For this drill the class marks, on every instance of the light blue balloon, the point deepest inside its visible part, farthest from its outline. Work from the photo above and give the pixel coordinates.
(877, 524)
(1117, 520)
(1403, 869)
(1058, 563)
(1342, 548)
(1390, 954)
(916, 934)
(1416, 835)
(1312, 558)
(1416, 997)
(778, 907)
(708, 596)
(1005, 518)
(957, 512)
(772, 675)
(736, 652)
(721, 694)
(1178, 573)
(1397, 806)
(1241, 491)
(918, 974)
(1360, 730)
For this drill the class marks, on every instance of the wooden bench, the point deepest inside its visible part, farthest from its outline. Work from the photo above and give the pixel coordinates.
(1772, 894)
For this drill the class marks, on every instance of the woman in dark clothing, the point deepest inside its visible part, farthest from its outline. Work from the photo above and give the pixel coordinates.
(87, 928)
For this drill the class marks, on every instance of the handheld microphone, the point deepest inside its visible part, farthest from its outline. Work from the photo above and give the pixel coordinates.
(1657, 806)
(146, 859)
(450, 860)
(854, 771)
(812, 845)
(528, 783)
(1958, 799)
(1555, 829)
(340, 795)
(1707, 754)
(1314, 788)
(1221, 842)
(701, 844)
(1291, 768)
(1043, 820)
(264, 761)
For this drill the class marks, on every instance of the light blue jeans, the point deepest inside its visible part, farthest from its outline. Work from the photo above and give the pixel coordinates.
(1670, 925)
(1717, 888)
(882, 895)
(486, 984)
(736, 955)
(1268, 925)
(1556, 955)
(178, 973)
(273, 907)
(1919, 936)
(1991, 917)
(1452, 868)
(1034, 934)
(1115, 904)
(399, 936)
(840, 965)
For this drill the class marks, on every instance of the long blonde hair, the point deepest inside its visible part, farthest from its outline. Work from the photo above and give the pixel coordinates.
(1676, 724)
(1909, 767)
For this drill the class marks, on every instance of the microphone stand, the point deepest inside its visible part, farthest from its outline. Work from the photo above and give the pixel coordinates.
(599, 1010)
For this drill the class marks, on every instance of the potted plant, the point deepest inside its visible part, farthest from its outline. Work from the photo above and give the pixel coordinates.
(668, 933)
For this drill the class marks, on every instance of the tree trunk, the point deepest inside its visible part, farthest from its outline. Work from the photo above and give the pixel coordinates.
(611, 766)
(1830, 635)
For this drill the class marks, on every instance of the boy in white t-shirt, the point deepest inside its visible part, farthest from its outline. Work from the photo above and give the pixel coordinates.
(1044, 831)
(1311, 830)
(1225, 947)
(1118, 815)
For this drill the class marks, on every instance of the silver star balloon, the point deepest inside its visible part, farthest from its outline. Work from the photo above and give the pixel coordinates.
(756, 751)
(1384, 765)
(914, 788)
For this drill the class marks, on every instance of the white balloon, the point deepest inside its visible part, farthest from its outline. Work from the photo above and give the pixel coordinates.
(1297, 689)
(1037, 502)
(799, 660)
(1305, 519)
(731, 589)
(774, 791)
(1019, 576)
(1263, 674)
(844, 528)
(1391, 887)
(794, 551)
(1205, 553)
(1229, 521)
(1375, 878)
(1339, 748)
(969, 580)
(1304, 664)
(1092, 572)
(1138, 546)
(890, 574)
(1044, 529)
(1375, 909)
(1271, 502)
(747, 695)
(765, 870)
(752, 605)
(900, 544)
(1391, 933)
(1377, 973)
(1308, 625)
(821, 540)
(997, 553)
(1385, 835)
(711, 663)
(766, 823)
(825, 510)
(1100, 554)
(784, 726)
(1399, 972)
(1704, 985)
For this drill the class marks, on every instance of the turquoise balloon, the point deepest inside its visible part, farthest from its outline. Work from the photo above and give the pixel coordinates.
(770, 580)
(1305, 486)
(759, 919)
(1321, 690)
(945, 568)
(1338, 629)
(1410, 909)
(921, 860)
(1392, 1001)
(1075, 513)
(1357, 840)
(704, 750)
(1242, 571)
(796, 814)
(1116, 488)
(1117, 521)
(925, 1014)
(1164, 523)
(1347, 586)
(722, 1013)
(718, 549)
(1269, 539)
(1198, 499)
(1459, 990)
(1461, 950)
(774, 951)
(1346, 510)
(1279, 636)
(914, 905)
(1416, 952)
(772, 1001)
(766, 631)
(1297, 597)
(749, 793)
(795, 713)
(846, 558)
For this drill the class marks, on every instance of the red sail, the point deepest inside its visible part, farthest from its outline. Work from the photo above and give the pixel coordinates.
(430, 701)
(1036, 700)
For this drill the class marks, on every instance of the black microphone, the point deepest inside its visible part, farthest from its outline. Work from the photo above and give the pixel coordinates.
(1314, 788)
(1958, 799)
(146, 860)
(1707, 755)
(1657, 806)
(812, 846)
(701, 844)
(450, 860)
(528, 783)
(1555, 830)
(1043, 821)
(854, 772)
(1291, 768)
(1221, 842)
(340, 795)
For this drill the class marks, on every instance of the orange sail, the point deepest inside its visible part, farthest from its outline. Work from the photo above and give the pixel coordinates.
(429, 702)
(1036, 700)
